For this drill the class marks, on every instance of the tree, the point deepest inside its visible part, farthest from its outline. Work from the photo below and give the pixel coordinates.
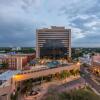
(68, 73)
(5, 65)
(77, 71)
(69, 59)
(57, 75)
(85, 65)
(64, 96)
(72, 72)
(64, 74)
(27, 86)
(14, 96)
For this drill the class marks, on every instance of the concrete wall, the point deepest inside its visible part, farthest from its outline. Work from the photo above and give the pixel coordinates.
(31, 74)
(5, 93)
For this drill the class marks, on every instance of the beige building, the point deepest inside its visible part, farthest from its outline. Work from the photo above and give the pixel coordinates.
(53, 43)
(96, 64)
(16, 61)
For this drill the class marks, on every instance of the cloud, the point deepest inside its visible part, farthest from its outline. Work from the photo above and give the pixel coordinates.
(94, 23)
(20, 18)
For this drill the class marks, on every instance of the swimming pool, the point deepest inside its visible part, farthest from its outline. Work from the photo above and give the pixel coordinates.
(53, 64)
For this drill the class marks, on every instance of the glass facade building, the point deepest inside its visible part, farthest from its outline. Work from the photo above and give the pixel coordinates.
(53, 43)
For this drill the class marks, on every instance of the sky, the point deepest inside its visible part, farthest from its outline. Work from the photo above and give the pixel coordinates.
(19, 20)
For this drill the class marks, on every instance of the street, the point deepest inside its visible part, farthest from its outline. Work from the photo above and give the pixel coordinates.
(89, 80)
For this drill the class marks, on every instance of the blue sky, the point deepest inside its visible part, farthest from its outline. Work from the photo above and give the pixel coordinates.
(19, 20)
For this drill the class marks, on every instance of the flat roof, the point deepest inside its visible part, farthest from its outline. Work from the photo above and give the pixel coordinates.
(15, 55)
(8, 74)
(54, 29)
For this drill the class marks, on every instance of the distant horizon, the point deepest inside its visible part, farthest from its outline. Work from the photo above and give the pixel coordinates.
(35, 47)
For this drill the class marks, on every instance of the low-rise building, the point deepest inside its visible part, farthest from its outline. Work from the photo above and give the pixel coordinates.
(7, 84)
(96, 64)
(86, 59)
(16, 61)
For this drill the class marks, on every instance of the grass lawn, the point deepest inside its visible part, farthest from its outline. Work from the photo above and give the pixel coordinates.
(81, 94)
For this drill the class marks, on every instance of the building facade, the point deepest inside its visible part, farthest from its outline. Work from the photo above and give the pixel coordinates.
(16, 61)
(53, 43)
(95, 64)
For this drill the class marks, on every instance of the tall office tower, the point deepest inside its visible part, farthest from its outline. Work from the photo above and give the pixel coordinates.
(53, 43)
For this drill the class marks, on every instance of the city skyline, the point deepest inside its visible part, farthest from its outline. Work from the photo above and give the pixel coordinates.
(19, 20)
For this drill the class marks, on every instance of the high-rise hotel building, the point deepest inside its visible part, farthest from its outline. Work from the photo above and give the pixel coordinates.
(53, 43)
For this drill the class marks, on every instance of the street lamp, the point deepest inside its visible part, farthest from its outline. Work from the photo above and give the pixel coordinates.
(78, 63)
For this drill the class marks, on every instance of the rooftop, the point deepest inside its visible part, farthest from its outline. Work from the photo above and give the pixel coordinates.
(8, 74)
